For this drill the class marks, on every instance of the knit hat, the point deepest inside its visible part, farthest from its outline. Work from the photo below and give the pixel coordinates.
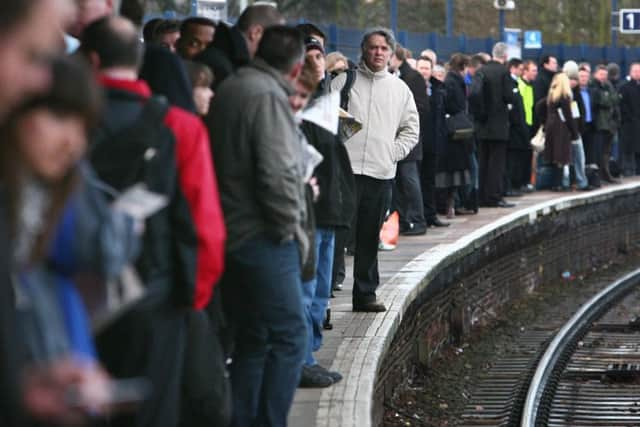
(570, 68)
(313, 43)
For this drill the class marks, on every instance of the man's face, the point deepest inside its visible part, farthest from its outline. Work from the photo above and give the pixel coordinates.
(517, 70)
(169, 40)
(376, 53)
(634, 72)
(87, 12)
(601, 75)
(24, 68)
(583, 78)
(317, 61)
(424, 68)
(195, 40)
(531, 72)
(552, 65)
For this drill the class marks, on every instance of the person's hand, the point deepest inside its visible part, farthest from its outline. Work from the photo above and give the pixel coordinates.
(65, 392)
(315, 188)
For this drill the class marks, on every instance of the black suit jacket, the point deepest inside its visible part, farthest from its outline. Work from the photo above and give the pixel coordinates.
(418, 87)
(498, 90)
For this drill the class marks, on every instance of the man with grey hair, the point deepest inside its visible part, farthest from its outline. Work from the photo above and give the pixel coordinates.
(491, 94)
(386, 107)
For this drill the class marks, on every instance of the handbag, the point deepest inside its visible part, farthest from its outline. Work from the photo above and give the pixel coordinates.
(459, 126)
(537, 142)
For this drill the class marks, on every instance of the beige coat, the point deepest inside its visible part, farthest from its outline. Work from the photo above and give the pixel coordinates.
(391, 125)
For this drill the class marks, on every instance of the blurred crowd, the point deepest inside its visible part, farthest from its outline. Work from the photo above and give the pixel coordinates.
(176, 216)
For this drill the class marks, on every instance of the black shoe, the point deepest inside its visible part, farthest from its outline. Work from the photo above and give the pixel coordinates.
(337, 286)
(500, 204)
(370, 307)
(335, 376)
(311, 378)
(437, 223)
(465, 211)
(414, 230)
(514, 193)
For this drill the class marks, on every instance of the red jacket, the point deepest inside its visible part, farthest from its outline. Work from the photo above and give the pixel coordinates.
(199, 186)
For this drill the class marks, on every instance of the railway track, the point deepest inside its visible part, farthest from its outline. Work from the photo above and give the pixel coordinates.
(584, 371)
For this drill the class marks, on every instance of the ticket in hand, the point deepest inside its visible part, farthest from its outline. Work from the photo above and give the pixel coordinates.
(140, 203)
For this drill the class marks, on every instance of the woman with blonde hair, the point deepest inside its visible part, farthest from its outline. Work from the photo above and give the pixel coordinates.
(560, 128)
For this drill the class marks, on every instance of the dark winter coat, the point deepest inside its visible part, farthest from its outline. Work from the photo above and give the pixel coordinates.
(518, 130)
(580, 121)
(542, 84)
(435, 138)
(454, 155)
(336, 205)
(559, 128)
(226, 54)
(418, 87)
(605, 101)
(497, 89)
(630, 114)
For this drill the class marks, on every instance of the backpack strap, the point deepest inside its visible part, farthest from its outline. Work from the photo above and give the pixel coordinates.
(346, 89)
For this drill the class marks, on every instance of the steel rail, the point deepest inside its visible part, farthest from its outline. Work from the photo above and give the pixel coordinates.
(558, 350)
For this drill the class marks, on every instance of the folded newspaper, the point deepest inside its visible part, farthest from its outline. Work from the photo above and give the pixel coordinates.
(349, 125)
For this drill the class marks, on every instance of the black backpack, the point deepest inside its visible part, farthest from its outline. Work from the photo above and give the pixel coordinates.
(479, 97)
(140, 152)
(346, 89)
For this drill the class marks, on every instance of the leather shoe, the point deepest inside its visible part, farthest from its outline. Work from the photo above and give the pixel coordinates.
(370, 307)
(500, 204)
(413, 230)
(514, 193)
(437, 223)
(464, 211)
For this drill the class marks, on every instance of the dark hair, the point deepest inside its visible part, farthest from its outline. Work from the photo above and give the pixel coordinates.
(477, 61)
(281, 47)
(166, 27)
(149, 29)
(73, 91)
(426, 58)
(583, 68)
(195, 20)
(259, 14)
(545, 59)
(458, 62)
(528, 63)
(514, 62)
(636, 62)
(310, 30)
(600, 67)
(199, 74)
(133, 10)
(114, 45)
(13, 12)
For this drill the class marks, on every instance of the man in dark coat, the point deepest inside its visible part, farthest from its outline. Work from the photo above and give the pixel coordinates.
(407, 195)
(492, 128)
(548, 68)
(630, 114)
(235, 46)
(605, 101)
(518, 151)
(433, 136)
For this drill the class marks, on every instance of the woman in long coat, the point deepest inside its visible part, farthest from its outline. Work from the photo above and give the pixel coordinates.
(559, 127)
(453, 167)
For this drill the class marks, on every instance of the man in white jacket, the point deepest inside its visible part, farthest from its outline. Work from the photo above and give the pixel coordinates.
(385, 106)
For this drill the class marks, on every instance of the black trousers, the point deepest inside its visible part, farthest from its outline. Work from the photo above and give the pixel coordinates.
(492, 161)
(338, 274)
(407, 195)
(372, 201)
(518, 169)
(428, 179)
(592, 146)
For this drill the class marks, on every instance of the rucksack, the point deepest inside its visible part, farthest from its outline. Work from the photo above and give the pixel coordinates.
(140, 152)
(346, 89)
(478, 97)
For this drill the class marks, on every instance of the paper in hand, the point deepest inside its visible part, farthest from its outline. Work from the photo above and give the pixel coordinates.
(324, 112)
(349, 125)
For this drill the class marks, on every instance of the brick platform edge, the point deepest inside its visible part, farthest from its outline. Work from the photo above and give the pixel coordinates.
(440, 295)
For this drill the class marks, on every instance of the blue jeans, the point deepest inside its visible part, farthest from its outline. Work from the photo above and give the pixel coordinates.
(263, 298)
(577, 155)
(316, 292)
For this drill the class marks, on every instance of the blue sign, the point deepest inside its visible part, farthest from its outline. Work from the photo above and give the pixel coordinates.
(629, 21)
(511, 37)
(533, 39)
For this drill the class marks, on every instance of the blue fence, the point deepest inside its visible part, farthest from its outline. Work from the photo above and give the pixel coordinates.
(348, 40)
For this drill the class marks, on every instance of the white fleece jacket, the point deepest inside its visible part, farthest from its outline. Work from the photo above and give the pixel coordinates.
(391, 125)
